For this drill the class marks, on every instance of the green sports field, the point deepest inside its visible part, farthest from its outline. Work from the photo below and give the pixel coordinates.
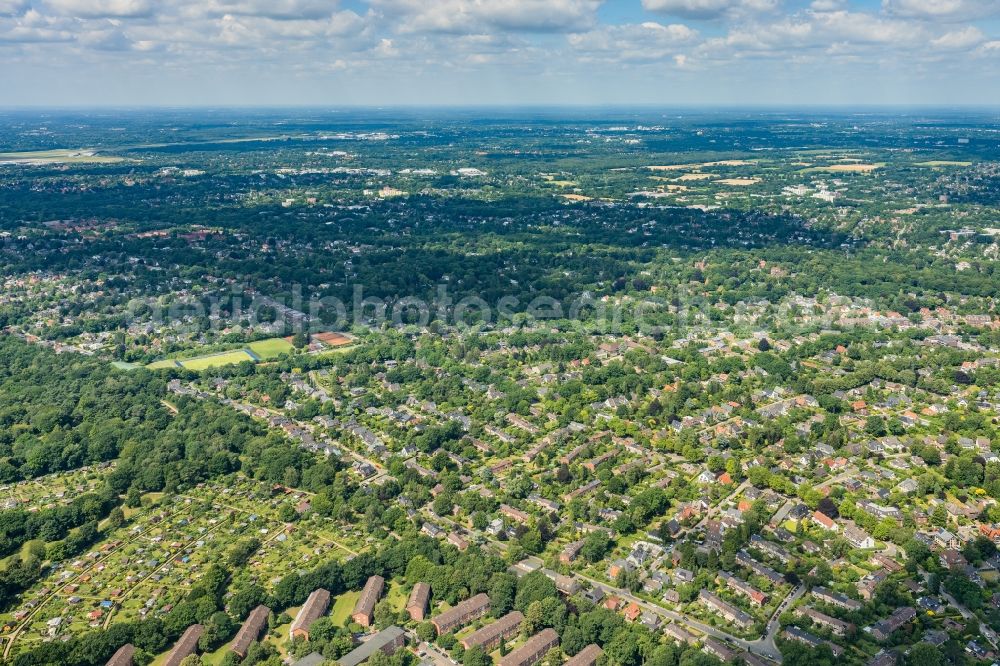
(261, 350)
(215, 360)
(160, 365)
(271, 348)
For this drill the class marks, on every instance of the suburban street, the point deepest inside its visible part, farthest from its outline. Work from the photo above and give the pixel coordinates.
(763, 647)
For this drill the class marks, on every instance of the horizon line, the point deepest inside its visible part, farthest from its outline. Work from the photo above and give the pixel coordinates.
(511, 106)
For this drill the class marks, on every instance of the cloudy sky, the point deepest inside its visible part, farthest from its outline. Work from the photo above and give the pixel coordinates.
(510, 52)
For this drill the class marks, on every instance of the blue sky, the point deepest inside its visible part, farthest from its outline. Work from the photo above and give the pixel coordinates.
(499, 52)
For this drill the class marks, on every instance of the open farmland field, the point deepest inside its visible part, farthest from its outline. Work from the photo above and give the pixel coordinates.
(845, 168)
(58, 157)
(943, 163)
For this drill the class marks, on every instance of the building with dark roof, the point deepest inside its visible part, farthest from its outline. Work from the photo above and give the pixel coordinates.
(882, 629)
(679, 634)
(588, 656)
(731, 613)
(838, 627)
(187, 645)
(792, 633)
(489, 636)
(461, 614)
(312, 610)
(416, 606)
(718, 649)
(387, 641)
(753, 660)
(364, 610)
(311, 659)
(533, 650)
(255, 623)
(836, 599)
(123, 657)
(883, 658)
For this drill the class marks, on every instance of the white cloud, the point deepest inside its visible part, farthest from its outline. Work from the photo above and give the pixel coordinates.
(828, 5)
(859, 27)
(105, 38)
(259, 31)
(960, 39)
(941, 9)
(274, 9)
(100, 8)
(642, 42)
(507, 42)
(12, 7)
(819, 34)
(708, 9)
(32, 27)
(465, 16)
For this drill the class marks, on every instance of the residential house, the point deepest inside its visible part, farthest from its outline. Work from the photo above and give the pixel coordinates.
(886, 627)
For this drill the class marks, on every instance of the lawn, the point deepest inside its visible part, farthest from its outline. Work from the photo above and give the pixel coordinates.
(397, 597)
(160, 365)
(20, 555)
(215, 360)
(261, 350)
(343, 607)
(271, 348)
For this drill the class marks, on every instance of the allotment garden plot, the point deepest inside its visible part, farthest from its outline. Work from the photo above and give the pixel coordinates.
(145, 567)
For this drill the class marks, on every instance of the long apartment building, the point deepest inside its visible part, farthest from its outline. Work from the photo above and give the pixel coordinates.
(730, 613)
(489, 637)
(740, 586)
(416, 605)
(364, 610)
(314, 608)
(533, 650)
(588, 656)
(251, 630)
(462, 614)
